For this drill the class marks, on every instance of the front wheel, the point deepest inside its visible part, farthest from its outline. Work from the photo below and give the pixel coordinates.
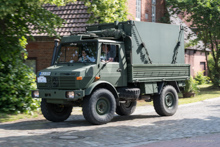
(99, 108)
(55, 112)
(166, 103)
(126, 108)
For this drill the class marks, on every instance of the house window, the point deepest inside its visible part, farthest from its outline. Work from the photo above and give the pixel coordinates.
(138, 10)
(203, 68)
(32, 64)
(153, 10)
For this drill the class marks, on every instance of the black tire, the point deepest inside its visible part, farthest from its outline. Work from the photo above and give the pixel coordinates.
(55, 112)
(166, 103)
(99, 107)
(126, 108)
(129, 93)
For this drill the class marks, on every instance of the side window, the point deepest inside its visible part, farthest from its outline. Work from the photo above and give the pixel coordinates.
(116, 53)
(109, 53)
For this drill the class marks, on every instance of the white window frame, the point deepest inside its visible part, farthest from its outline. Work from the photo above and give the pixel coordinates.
(138, 10)
(153, 11)
(153, 2)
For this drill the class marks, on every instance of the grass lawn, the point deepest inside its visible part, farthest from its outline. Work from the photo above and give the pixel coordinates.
(12, 117)
(206, 92)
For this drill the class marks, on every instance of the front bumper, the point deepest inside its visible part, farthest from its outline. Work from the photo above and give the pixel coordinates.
(60, 94)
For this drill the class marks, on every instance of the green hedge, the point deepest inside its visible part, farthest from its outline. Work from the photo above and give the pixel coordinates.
(201, 79)
(16, 79)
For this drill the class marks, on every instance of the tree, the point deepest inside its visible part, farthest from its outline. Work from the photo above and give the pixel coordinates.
(205, 18)
(16, 17)
(16, 79)
(105, 11)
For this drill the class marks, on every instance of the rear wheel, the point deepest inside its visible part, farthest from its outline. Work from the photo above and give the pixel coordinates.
(55, 112)
(166, 103)
(99, 107)
(126, 108)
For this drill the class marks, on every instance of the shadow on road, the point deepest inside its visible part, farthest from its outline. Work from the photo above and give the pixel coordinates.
(73, 121)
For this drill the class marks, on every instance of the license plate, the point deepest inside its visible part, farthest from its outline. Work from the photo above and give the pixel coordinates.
(44, 73)
(41, 79)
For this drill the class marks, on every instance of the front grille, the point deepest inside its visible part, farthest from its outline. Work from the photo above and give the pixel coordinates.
(68, 82)
(55, 81)
(59, 82)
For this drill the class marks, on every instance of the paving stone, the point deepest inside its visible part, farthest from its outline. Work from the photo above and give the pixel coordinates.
(144, 126)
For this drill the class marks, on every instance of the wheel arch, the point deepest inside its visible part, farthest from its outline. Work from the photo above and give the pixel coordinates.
(175, 85)
(161, 85)
(101, 84)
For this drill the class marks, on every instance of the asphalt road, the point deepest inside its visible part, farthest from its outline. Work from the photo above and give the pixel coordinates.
(192, 125)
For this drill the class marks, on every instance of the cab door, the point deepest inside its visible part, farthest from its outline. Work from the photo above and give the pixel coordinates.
(113, 70)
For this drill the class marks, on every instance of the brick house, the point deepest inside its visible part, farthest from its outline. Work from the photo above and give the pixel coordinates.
(40, 50)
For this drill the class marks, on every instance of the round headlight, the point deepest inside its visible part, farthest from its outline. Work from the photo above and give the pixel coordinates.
(70, 94)
(35, 93)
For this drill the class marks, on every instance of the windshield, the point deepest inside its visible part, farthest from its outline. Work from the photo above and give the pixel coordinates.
(77, 52)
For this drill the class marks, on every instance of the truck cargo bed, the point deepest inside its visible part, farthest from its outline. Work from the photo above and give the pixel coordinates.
(158, 72)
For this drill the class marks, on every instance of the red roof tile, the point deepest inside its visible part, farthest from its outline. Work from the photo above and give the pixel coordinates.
(75, 15)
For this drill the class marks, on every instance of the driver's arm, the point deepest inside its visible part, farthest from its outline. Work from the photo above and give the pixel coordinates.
(90, 58)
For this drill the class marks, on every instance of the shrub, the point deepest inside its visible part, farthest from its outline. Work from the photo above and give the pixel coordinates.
(16, 81)
(201, 79)
(213, 71)
(191, 86)
(15, 89)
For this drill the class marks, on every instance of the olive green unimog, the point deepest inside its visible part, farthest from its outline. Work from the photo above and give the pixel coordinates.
(110, 67)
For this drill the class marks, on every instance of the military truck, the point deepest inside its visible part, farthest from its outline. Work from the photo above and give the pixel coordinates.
(110, 67)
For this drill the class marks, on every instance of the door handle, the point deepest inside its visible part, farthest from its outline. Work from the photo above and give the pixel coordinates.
(119, 70)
